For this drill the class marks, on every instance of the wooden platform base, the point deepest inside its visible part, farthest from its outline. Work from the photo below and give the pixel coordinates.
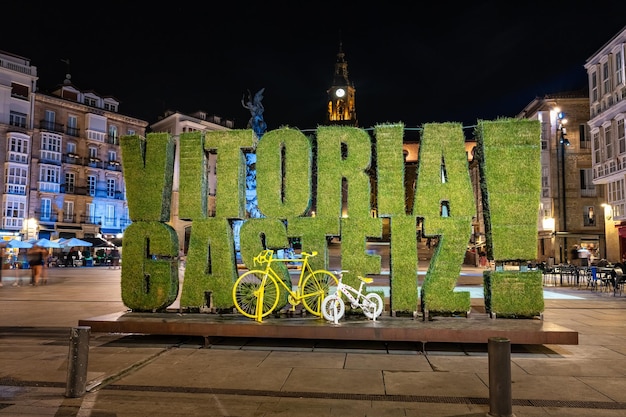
(439, 329)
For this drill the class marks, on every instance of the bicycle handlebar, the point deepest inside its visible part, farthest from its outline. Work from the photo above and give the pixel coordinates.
(266, 256)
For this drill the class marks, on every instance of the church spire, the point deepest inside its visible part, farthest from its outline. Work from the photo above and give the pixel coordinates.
(341, 95)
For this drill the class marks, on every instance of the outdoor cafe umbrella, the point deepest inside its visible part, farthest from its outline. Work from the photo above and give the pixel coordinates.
(68, 243)
(46, 243)
(16, 244)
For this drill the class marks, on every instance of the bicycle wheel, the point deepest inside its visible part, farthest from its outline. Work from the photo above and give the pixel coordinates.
(249, 288)
(333, 308)
(372, 305)
(315, 287)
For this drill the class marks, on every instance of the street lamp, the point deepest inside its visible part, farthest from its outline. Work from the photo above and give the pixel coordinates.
(563, 132)
(608, 211)
(563, 142)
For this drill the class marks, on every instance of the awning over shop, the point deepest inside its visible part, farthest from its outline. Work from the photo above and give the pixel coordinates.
(98, 242)
(582, 236)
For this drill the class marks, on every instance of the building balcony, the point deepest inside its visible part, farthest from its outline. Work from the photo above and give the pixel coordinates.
(606, 169)
(67, 218)
(12, 223)
(45, 216)
(51, 126)
(51, 187)
(90, 219)
(73, 131)
(21, 67)
(19, 96)
(72, 189)
(50, 158)
(113, 166)
(75, 159)
(104, 193)
(608, 100)
(15, 189)
(589, 192)
(110, 222)
(18, 126)
(17, 157)
(72, 158)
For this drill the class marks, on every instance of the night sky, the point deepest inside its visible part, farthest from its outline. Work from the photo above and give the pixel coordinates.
(411, 63)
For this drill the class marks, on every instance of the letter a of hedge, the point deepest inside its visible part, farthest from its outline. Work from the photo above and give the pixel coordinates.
(443, 181)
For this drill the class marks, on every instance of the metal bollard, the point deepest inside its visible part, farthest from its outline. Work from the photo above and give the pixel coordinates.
(77, 362)
(500, 398)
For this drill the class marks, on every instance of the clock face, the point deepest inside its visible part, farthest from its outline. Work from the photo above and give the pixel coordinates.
(340, 92)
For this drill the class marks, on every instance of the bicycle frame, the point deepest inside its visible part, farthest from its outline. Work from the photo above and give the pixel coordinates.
(333, 306)
(305, 271)
(351, 293)
(257, 292)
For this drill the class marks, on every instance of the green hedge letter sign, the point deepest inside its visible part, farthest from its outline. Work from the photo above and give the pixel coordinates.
(351, 179)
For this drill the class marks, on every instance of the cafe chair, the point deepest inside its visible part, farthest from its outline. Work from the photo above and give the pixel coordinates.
(618, 280)
(597, 280)
(592, 278)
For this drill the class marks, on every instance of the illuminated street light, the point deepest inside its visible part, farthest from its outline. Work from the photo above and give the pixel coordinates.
(562, 130)
(608, 211)
(564, 142)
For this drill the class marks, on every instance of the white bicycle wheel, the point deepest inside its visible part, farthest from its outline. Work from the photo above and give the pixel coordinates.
(333, 308)
(372, 305)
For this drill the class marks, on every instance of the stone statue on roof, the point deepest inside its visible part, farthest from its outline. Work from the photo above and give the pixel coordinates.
(256, 122)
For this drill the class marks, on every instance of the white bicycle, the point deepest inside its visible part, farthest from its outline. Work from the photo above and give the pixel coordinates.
(333, 306)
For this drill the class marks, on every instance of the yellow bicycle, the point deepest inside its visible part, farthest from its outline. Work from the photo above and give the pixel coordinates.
(256, 293)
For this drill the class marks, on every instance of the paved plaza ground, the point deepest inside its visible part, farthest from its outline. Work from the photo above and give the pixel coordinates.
(143, 375)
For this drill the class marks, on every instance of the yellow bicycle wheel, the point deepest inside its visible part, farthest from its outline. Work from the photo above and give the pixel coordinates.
(315, 287)
(251, 287)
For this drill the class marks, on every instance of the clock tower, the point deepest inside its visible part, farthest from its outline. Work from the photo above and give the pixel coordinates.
(341, 103)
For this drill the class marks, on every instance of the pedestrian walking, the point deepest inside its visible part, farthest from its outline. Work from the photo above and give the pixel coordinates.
(575, 257)
(115, 258)
(483, 259)
(44, 266)
(67, 260)
(36, 258)
(584, 254)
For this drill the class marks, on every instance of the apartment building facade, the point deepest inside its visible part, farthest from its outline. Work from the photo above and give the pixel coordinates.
(18, 83)
(606, 71)
(62, 172)
(175, 123)
(570, 212)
